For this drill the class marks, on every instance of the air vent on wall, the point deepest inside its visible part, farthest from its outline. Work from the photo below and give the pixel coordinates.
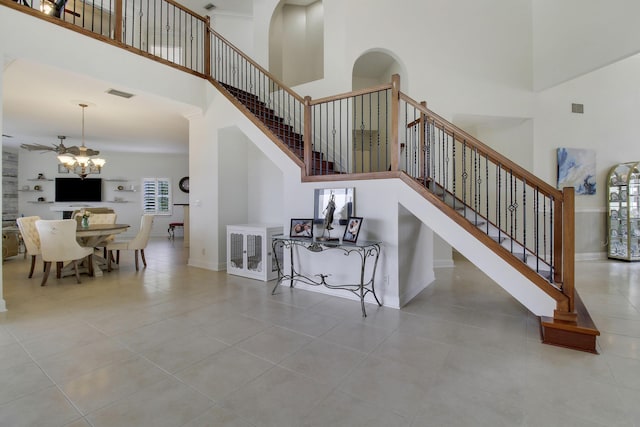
(119, 93)
(577, 108)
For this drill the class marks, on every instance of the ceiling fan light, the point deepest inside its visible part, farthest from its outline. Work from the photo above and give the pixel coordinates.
(82, 160)
(66, 159)
(98, 162)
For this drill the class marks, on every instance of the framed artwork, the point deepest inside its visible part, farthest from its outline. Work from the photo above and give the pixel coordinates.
(352, 229)
(62, 168)
(337, 202)
(301, 228)
(577, 169)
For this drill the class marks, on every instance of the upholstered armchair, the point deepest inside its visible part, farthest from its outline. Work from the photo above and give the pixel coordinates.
(30, 238)
(138, 243)
(58, 244)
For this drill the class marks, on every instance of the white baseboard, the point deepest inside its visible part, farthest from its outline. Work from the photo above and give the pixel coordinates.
(591, 256)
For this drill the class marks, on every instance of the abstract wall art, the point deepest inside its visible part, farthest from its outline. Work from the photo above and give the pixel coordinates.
(577, 168)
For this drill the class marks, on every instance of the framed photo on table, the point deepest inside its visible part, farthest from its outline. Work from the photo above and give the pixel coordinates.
(351, 231)
(301, 228)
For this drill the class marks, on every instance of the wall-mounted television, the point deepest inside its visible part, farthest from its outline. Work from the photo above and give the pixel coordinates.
(78, 190)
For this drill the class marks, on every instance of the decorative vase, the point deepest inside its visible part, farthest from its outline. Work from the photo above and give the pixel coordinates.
(85, 222)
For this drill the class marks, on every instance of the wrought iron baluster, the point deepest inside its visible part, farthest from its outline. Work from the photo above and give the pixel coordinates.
(465, 174)
(486, 174)
(524, 218)
(499, 202)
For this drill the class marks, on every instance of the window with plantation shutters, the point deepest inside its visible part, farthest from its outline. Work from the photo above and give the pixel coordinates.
(156, 196)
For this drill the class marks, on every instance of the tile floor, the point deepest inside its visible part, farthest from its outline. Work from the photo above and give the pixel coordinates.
(179, 346)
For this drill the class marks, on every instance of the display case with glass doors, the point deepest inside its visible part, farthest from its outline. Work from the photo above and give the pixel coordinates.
(623, 212)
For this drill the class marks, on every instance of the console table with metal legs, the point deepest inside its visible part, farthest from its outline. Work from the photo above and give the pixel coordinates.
(365, 251)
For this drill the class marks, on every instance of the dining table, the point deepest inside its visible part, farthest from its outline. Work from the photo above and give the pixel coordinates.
(95, 235)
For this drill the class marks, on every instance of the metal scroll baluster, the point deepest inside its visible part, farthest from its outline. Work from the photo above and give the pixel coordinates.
(524, 219)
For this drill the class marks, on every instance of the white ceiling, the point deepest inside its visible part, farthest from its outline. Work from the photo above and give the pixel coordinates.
(42, 102)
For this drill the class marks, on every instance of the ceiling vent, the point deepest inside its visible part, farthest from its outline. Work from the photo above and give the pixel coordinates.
(209, 6)
(119, 93)
(577, 108)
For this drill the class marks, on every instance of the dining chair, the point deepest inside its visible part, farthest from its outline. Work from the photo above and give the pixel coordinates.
(58, 244)
(138, 243)
(30, 237)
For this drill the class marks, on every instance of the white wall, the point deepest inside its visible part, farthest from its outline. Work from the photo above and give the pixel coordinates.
(573, 37)
(130, 166)
(237, 29)
(3, 305)
(609, 126)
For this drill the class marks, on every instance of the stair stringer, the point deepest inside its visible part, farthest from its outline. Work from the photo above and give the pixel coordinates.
(518, 285)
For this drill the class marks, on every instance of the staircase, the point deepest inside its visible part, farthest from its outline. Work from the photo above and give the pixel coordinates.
(518, 218)
(284, 132)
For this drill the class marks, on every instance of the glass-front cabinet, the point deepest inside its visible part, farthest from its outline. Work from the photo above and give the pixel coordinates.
(623, 216)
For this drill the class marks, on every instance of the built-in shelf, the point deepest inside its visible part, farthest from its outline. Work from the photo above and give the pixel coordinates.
(39, 179)
(31, 191)
(116, 180)
(124, 190)
(38, 203)
(117, 201)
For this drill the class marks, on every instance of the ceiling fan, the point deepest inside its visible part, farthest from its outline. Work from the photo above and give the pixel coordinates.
(62, 149)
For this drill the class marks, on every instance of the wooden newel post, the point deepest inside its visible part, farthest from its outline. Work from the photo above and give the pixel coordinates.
(568, 256)
(207, 47)
(119, 19)
(306, 138)
(395, 112)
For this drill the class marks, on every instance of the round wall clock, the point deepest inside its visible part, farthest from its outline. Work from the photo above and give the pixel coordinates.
(184, 184)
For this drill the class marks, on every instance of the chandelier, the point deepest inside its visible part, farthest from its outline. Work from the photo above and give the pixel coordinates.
(82, 161)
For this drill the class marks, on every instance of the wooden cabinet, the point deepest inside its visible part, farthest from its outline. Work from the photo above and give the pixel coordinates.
(623, 211)
(249, 250)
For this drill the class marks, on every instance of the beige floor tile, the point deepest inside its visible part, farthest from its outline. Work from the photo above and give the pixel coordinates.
(108, 384)
(21, 380)
(324, 361)
(340, 409)
(274, 343)
(234, 328)
(356, 335)
(132, 345)
(62, 338)
(218, 417)
(167, 403)
(12, 355)
(44, 408)
(224, 372)
(179, 353)
(279, 398)
(466, 405)
(78, 361)
(386, 384)
(414, 351)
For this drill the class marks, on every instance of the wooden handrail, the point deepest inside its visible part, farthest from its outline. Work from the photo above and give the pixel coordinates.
(262, 70)
(353, 93)
(497, 158)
